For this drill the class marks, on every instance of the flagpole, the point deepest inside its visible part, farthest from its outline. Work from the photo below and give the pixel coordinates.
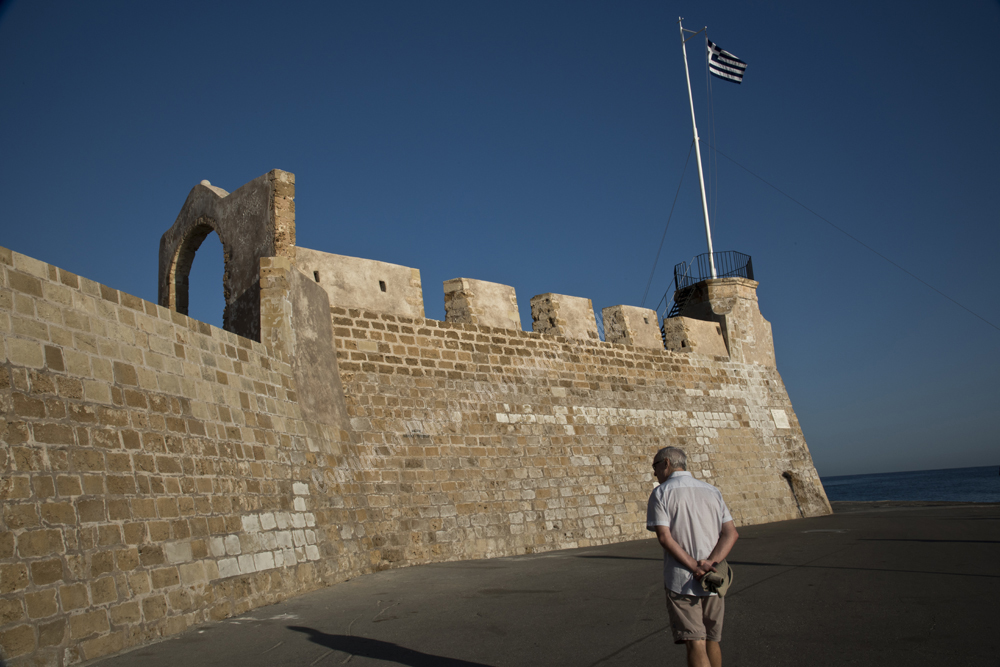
(697, 151)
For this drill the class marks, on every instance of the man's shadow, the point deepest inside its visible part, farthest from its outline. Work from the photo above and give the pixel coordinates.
(379, 650)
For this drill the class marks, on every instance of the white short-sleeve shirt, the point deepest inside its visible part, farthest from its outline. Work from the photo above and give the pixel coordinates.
(694, 511)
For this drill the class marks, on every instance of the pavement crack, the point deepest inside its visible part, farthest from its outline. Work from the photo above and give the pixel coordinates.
(640, 610)
(273, 647)
(349, 634)
(394, 604)
(320, 658)
(629, 645)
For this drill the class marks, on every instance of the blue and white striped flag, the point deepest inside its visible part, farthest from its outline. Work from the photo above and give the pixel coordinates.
(725, 65)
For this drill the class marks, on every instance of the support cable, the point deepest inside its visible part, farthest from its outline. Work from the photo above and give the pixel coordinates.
(662, 238)
(663, 298)
(855, 239)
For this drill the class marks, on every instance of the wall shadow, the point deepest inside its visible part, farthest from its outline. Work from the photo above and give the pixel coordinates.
(380, 650)
(619, 557)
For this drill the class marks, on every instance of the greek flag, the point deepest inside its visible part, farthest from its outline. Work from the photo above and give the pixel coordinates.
(725, 65)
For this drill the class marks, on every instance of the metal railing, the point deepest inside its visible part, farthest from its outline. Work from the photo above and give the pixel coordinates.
(728, 264)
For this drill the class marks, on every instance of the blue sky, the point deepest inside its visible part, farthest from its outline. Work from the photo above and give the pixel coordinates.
(539, 145)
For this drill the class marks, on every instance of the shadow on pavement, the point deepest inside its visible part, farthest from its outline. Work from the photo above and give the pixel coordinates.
(895, 539)
(379, 650)
(866, 569)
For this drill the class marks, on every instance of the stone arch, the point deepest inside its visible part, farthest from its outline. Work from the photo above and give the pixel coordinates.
(255, 221)
(183, 258)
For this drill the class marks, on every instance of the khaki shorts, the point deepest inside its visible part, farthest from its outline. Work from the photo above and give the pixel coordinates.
(694, 617)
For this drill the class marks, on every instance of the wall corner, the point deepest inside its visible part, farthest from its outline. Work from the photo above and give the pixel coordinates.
(282, 206)
(732, 303)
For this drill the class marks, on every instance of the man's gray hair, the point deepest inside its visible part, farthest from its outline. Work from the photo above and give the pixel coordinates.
(676, 456)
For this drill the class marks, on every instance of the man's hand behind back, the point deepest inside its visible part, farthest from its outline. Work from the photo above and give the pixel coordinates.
(704, 567)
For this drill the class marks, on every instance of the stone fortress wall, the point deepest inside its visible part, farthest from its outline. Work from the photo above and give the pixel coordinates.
(157, 472)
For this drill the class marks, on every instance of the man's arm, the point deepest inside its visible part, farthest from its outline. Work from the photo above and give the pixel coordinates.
(668, 542)
(727, 538)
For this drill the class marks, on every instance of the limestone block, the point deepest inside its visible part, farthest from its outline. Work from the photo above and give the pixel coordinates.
(228, 567)
(177, 552)
(630, 325)
(89, 623)
(265, 561)
(17, 640)
(25, 353)
(481, 302)
(683, 334)
(13, 577)
(246, 564)
(30, 265)
(561, 315)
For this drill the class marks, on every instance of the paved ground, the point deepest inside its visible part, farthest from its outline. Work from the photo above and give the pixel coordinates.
(874, 584)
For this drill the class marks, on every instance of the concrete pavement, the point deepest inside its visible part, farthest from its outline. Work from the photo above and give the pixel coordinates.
(875, 583)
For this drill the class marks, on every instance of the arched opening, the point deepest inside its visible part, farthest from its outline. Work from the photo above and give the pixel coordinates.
(195, 287)
(206, 301)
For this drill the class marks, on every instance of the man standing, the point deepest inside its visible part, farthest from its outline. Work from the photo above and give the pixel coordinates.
(696, 531)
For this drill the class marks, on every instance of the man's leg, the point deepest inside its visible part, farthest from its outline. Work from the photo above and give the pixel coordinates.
(698, 654)
(713, 608)
(714, 652)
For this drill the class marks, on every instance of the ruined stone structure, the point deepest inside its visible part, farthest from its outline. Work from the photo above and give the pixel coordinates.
(157, 472)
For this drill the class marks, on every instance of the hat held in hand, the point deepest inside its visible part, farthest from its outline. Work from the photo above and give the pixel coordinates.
(720, 580)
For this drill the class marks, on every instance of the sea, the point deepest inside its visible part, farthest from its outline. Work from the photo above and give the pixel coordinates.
(969, 485)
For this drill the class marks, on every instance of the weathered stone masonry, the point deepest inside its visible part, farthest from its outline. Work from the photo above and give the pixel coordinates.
(157, 472)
